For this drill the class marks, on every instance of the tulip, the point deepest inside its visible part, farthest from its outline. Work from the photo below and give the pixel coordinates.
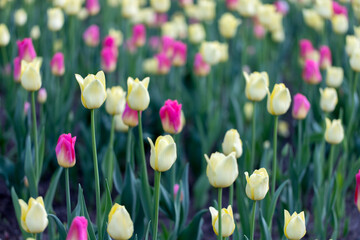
(232, 4)
(92, 36)
(179, 55)
(169, 29)
(278, 35)
(306, 48)
(72, 7)
(294, 225)
(20, 17)
(248, 110)
(27, 106)
(256, 85)
(259, 30)
(93, 90)
(120, 225)
(282, 7)
(26, 49)
(228, 25)
(42, 95)
(334, 76)
(221, 170)
(325, 57)
(301, 107)
(120, 126)
(170, 115)
(78, 229)
(279, 101)
(340, 23)
(208, 9)
(247, 8)
(201, 68)
(138, 96)
(211, 53)
(139, 35)
(55, 19)
(30, 74)
(93, 7)
(352, 43)
(115, 101)
(334, 133)
(160, 6)
(355, 60)
(59, 3)
(338, 9)
(196, 33)
(163, 153)
(283, 129)
(57, 64)
(117, 35)
(110, 42)
(328, 99)
(357, 191)
(227, 221)
(17, 69)
(151, 65)
(4, 35)
(35, 32)
(65, 150)
(232, 143)
(167, 45)
(257, 184)
(185, 3)
(324, 8)
(224, 52)
(33, 215)
(313, 19)
(130, 116)
(265, 13)
(129, 8)
(311, 72)
(109, 59)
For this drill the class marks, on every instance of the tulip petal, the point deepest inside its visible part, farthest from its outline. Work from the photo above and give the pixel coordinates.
(94, 94)
(167, 157)
(36, 218)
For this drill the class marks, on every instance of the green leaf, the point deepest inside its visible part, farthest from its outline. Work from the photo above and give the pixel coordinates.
(243, 207)
(193, 230)
(264, 227)
(147, 230)
(128, 196)
(49, 197)
(41, 152)
(108, 205)
(60, 226)
(186, 194)
(107, 166)
(274, 201)
(15, 201)
(201, 188)
(117, 178)
(86, 214)
(166, 204)
(29, 169)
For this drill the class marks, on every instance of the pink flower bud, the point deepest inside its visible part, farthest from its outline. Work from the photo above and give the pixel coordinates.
(176, 190)
(201, 68)
(26, 107)
(65, 150)
(306, 48)
(91, 36)
(164, 63)
(170, 115)
(108, 59)
(167, 45)
(180, 51)
(259, 30)
(301, 106)
(93, 6)
(282, 7)
(110, 42)
(130, 116)
(57, 64)
(232, 4)
(42, 95)
(26, 49)
(325, 57)
(339, 9)
(17, 69)
(311, 72)
(78, 229)
(357, 190)
(139, 35)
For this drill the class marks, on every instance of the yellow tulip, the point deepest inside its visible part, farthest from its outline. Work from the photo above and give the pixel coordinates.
(163, 153)
(248, 110)
(279, 101)
(328, 99)
(324, 8)
(30, 74)
(35, 32)
(55, 19)
(169, 29)
(4, 35)
(160, 6)
(352, 43)
(257, 184)
(265, 14)
(228, 25)
(33, 215)
(120, 126)
(224, 52)
(120, 225)
(340, 23)
(221, 170)
(355, 60)
(334, 133)
(115, 101)
(72, 7)
(129, 8)
(93, 90)
(210, 51)
(313, 19)
(294, 226)
(20, 17)
(247, 8)
(334, 76)
(117, 35)
(232, 143)
(196, 33)
(207, 9)
(227, 221)
(138, 96)
(256, 85)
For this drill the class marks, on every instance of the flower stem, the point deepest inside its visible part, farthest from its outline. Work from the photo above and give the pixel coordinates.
(68, 202)
(156, 203)
(37, 164)
(353, 110)
(299, 143)
(128, 146)
(219, 213)
(331, 160)
(273, 183)
(96, 173)
(231, 194)
(252, 164)
(252, 228)
(112, 131)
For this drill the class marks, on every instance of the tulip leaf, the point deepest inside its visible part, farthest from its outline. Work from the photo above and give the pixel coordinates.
(274, 199)
(147, 230)
(15, 201)
(128, 196)
(193, 230)
(117, 178)
(166, 204)
(60, 226)
(265, 231)
(41, 152)
(242, 205)
(108, 204)
(186, 196)
(49, 197)
(29, 169)
(335, 233)
(108, 166)
(86, 214)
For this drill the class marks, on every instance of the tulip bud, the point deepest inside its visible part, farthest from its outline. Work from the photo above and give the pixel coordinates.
(120, 126)
(57, 64)
(4, 35)
(279, 101)
(283, 129)
(221, 170)
(78, 229)
(169, 29)
(232, 143)
(224, 52)
(30, 74)
(59, 3)
(138, 96)
(334, 133)
(247, 8)
(163, 153)
(306, 48)
(248, 110)
(185, 3)
(35, 32)
(115, 101)
(228, 25)
(179, 55)
(232, 4)
(278, 35)
(334, 76)
(93, 90)
(311, 72)
(55, 19)
(33, 215)
(352, 43)
(357, 191)
(120, 225)
(65, 150)
(26, 50)
(338, 9)
(325, 57)
(109, 59)
(176, 191)
(170, 115)
(117, 35)
(210, 51)
(129, 8)
(130, 116)
(259, 30)
(355, 60)
(160, 6)
(92, 36)
(72, 7)
(82, 14)
(328, 99)
(93, 7)
(313, 19)
(256, 85)
(207, 9)
(227, 221)
(340, 24)
(167, 46)
(301, 107)
(20, 17)
(42, 95)
(151, 66)
(294, 225)
(201, 68)
(257, 184)
(17, 69)
(324, 8)
(139, 35)
(196, 33)
(282, 7)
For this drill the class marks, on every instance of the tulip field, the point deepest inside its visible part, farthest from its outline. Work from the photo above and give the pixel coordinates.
(179, 119)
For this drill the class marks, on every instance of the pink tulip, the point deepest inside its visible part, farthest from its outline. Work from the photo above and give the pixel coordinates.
(65, 150)
(57, 64)
(232, 4)
(311, 72)
(26, 49)
(306, 48)
(26, 107)
(108, 59)
(154, 43)
(357, 190)
(180, 51)
(93, 6)
(164, 63)
(176, 190)
(17, 69)
(130, 116)
(42, 95)
(167, 45)
(139, 35)
(78, 229)
(325, 57)
(201, 68)
(91, 36)
(110, 42)
(160, 19)
(130, 45)
(170, 115)
(259, 30)
(282, 7)
(339, 9)
(301, 106)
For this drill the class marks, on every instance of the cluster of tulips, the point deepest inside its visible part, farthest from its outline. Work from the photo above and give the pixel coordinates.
(168, 44)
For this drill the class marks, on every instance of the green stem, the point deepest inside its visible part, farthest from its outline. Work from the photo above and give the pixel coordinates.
(252, 164)
(37, 164)
(112, 131)
(273, 183)
(96, 173)
(4, 55)
(156, 203)
(68, 202)
(219, 213)
(231, 194)
(331, 160)
(252, 227)
(128, 146)
(353, 110)
(299, 143)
